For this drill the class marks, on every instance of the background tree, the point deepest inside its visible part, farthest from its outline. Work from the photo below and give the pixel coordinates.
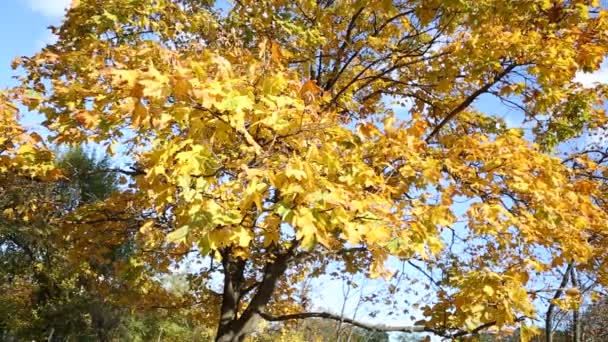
(46, 295)
(595, 322)
(34, 253)
(266, 139)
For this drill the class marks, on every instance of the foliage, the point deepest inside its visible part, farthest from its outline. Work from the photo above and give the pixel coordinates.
(163, 326)
(44, 292)
(87, 176)
(41, 287)
(266, 140)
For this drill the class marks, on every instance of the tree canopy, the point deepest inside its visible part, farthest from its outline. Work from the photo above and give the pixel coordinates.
(278, 139)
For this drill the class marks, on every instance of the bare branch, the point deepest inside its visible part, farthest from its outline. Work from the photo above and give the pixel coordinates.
(381, 327)
(367, 326)
(132, 172)
(467, 102)
(426, 274)
(551, 308)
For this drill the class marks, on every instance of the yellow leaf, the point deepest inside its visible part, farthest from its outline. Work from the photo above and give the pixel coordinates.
(146, 227)
(377, 234)
(271, 229)
(26, 149)
(527, 332)
(242, 236)
(178, 235)
(181, 88)
(305, 228)
(292, 171)
(140, 114)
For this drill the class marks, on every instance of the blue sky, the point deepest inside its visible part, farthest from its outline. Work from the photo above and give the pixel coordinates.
(23, 30)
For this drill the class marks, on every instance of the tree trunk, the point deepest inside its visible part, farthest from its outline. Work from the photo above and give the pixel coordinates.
(233, 276)
(50, 338)
(576, 322)
(558, 293)
(232, 327)
(227, 336)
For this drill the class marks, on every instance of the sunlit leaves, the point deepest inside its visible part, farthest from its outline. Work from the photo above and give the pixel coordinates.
(271, 130)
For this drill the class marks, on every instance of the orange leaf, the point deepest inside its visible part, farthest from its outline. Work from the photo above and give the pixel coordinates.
(310, 90)
(275, 52)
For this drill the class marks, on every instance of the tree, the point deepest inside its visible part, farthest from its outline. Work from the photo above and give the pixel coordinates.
(33, 251)
(267, 138)
(46, 294)
(588, 163)
(595, 321)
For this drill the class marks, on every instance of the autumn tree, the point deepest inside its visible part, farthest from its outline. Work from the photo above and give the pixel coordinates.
(51, 292)
(277, 138)
(582, 283)
(35, 279)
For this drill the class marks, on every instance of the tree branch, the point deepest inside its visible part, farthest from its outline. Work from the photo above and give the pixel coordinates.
(558, 293)
(382, 327)
(132, 172)
(366, 326)
(467, 102)
(268, 284)
(426, 274)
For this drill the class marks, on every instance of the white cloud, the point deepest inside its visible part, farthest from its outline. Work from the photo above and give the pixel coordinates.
(590, 79)
(49, 8)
